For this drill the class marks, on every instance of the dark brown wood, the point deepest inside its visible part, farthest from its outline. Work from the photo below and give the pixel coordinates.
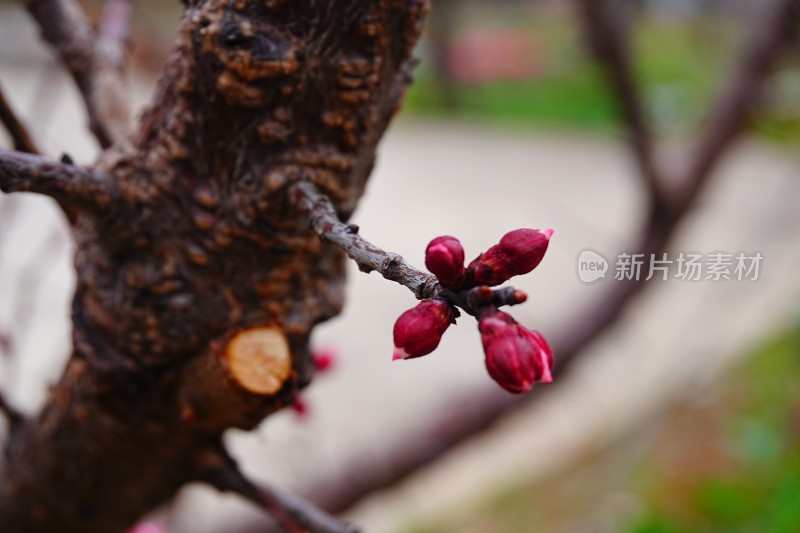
(186, 239)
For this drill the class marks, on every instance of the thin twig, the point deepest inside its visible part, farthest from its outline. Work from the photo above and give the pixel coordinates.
(325, 222)
(70, 185)
(742, 93)
(115, 32)
(20, 135)
(292, 513)
(607, 39)
(96, 73)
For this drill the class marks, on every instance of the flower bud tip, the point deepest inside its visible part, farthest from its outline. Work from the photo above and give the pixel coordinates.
(517, 253)
(399, 354)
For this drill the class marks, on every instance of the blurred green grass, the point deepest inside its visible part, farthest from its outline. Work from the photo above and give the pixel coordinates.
(682, 66)
(728, 463)
(759, 490)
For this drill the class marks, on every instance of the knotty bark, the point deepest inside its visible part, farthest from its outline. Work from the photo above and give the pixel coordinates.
(186, 239)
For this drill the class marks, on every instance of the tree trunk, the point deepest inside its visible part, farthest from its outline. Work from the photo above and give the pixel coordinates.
(198, 282)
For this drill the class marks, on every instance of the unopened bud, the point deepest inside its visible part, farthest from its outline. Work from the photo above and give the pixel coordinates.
(444, 257)
(418, 331)
(300, 407)
(324, 360)
(516, 357)
(518, 252)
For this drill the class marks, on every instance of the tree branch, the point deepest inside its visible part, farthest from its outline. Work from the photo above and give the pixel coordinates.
(325, 222)
(292, 513)
(115, 32)
(68, 184)
(607, 39)
(20, 136)
(742, 93)
(96, 70)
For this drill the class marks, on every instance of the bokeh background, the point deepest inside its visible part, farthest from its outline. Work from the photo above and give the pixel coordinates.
(684, 417)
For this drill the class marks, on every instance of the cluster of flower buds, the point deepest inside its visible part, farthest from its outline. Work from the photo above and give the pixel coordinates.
(418, 331)
(516, 357)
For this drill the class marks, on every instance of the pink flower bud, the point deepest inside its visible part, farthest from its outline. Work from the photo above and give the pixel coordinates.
(418, 331)
(445, 258)
(324, 360)
(516, 357)
(518, 252)
(300, 407)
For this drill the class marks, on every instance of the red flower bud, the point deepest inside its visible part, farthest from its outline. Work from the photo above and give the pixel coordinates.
(445, 258)
(418, 331)
(324, 360)
(516, 357)
(300, 407)
(518, 252)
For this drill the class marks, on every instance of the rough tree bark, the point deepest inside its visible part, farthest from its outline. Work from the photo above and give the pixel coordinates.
(199, 282)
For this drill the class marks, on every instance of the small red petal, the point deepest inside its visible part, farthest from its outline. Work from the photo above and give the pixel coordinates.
(300, 407)
(324, 360)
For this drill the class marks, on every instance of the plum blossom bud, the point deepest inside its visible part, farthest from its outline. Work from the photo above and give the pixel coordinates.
(518, 252)
(324, 360)
(516, 357)
(300, 407)
(445, 258)
(418, 331)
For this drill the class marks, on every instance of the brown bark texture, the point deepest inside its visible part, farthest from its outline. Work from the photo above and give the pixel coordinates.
(198, 280)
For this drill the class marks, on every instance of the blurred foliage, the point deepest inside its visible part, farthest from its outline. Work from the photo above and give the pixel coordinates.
(682, 65)
(728, 460)
(759, 490)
